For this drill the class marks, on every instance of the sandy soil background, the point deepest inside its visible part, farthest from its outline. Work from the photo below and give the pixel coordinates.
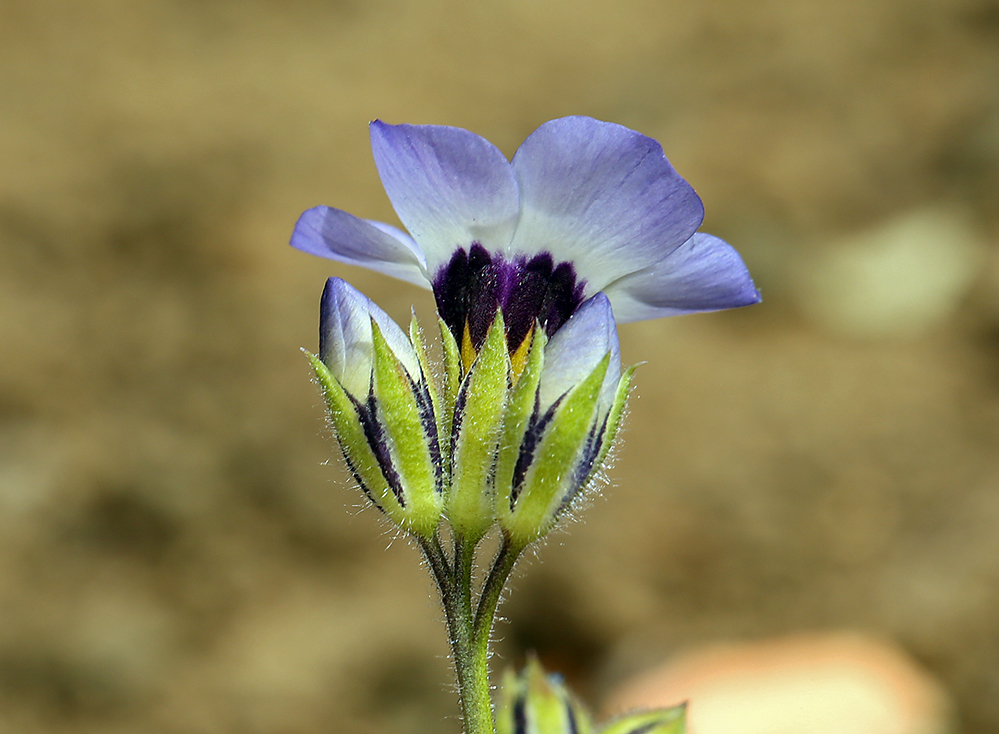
(175, 556)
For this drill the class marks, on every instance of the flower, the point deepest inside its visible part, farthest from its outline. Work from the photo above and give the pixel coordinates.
(584, 207)
(587, 216)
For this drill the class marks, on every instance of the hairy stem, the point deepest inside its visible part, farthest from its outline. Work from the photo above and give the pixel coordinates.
(473, 670)
(454, 581)
(492, 591)
(469, 627)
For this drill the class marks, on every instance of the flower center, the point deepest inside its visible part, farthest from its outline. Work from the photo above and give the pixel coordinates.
(475, 282)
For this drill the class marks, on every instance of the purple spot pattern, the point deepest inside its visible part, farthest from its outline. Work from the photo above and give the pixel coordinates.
(474, 282)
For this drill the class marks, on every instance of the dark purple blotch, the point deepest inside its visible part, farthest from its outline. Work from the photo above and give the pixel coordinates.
(528, 289)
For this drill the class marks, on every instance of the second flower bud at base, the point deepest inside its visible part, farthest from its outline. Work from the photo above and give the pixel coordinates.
(536, 702)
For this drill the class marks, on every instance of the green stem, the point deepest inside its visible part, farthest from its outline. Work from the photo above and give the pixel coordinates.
(472, 667)
(469, 627)
(437, 559)
(489, 599)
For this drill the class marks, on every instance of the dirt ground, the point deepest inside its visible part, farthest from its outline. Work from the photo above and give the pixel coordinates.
(176, 554)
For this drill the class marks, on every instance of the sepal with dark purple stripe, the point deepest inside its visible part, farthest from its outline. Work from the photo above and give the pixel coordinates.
(559, 461)
(345, 415)
(470, 504)
(560, 422)
(535, 702)
(404, 407)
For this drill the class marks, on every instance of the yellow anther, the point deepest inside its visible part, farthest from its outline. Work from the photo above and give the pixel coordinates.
(518, 360)
(467, 350)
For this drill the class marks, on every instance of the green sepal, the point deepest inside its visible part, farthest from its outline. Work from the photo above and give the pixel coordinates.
(406, 438)
(542, 702)
(616, 414)
(429, 379)
(353, 442)
(478, 422)
(518, 413)
(451, 381)
(657, 721)
(540, 498)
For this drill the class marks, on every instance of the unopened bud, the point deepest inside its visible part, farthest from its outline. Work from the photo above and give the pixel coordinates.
(561, 422)
(381, 408)
(535, 702)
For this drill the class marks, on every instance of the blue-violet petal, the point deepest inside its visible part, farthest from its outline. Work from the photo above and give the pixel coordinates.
(450, 187)
(345, 343)
(704, 274)
(602, 197)
(335, 234)
(577, 348)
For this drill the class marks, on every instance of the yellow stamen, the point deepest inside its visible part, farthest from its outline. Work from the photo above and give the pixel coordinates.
(518, 360)
(467, 350)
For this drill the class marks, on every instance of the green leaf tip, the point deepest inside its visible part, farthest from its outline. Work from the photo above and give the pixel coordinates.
(671, 720)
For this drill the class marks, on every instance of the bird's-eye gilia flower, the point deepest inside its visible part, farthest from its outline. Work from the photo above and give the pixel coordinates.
(587, 215)
(518, 448)
(584, 207)
(382, 407)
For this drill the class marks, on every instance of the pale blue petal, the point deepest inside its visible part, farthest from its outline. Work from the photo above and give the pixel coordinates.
(345, 336)
(397, 339)
(577, 348)
(449, 187)
(340, 236)
(345, 342)
(705, 274)
(602, 197)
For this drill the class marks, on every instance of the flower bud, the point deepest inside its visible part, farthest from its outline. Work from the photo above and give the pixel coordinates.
(538, 703)
(561, 421)
(381, 408)
(535, 702)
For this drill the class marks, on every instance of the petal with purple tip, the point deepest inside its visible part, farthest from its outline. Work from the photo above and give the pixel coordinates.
(704, 274)
(602, 197)
(335, 234)
(577, 348)
(449, 187)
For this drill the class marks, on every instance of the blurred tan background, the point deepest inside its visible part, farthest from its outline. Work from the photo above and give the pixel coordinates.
(176, 556)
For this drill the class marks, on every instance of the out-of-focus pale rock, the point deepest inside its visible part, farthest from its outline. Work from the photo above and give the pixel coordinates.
(895, 280)
(809, 684)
